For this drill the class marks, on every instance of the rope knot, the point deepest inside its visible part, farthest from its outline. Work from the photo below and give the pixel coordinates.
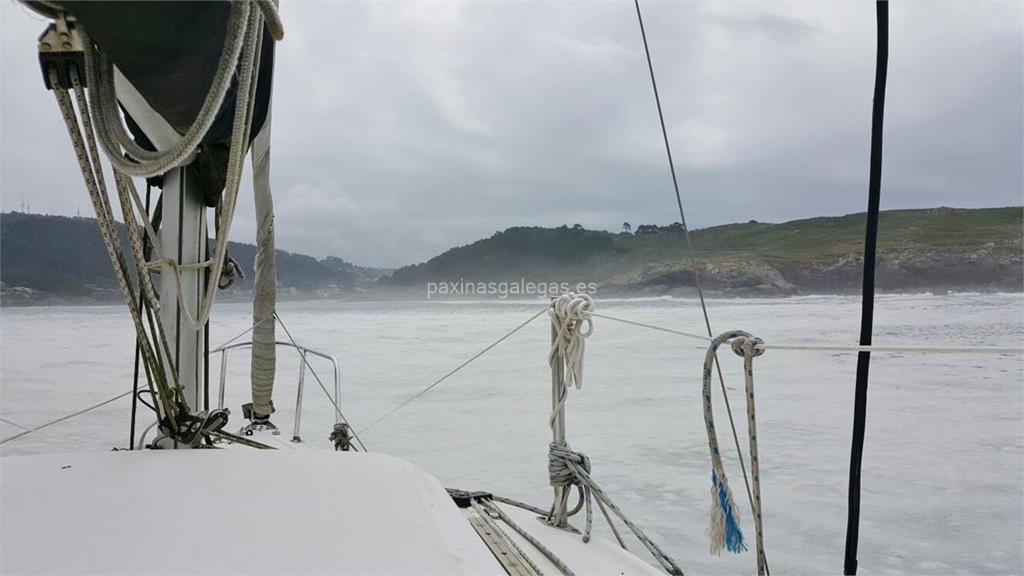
(560, 471)
(569, 313)
(747, 346)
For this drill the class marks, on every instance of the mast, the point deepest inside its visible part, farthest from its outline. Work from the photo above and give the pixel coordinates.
(183, 237)
(190, 137)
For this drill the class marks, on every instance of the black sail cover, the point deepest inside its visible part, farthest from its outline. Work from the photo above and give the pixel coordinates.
(169, 51)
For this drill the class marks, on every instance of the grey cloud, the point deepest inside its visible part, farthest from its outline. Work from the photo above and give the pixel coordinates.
(775, 27)
(401, 129)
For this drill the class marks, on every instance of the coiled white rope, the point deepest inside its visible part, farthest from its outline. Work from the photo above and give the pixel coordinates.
(241, 51)
(571, 320)
(569, 313)
(111, 132)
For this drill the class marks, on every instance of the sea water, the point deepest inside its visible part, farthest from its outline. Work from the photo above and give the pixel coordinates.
(943, 471)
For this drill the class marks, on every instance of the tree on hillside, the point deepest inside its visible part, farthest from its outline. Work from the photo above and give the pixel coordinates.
(626, 228)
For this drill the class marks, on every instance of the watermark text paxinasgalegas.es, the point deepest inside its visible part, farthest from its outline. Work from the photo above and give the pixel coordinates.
(503, 290)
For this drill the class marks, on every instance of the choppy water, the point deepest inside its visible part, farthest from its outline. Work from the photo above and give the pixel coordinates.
(943, 469)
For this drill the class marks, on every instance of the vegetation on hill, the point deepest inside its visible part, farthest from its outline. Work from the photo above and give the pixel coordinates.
(56, 258)
(941, 248)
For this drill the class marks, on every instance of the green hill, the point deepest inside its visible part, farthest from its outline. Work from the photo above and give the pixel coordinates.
(942, 248)
(61, 259)
(58, 259)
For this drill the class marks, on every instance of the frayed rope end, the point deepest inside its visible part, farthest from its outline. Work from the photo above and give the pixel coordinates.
(724, 528)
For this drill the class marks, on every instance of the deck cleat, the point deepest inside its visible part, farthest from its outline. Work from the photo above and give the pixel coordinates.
(259, 424)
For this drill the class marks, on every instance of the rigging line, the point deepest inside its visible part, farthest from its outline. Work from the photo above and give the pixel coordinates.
(895, 349)
(138, 354)
(64, 418)
(860, 403)
(672, 170)
(701, 337)
(15, 424)
(305, 361)
(484, 509)
(690, 252)
(92, 174)
(239, 335)
(478, 506)
(456, 369)
(239, 439)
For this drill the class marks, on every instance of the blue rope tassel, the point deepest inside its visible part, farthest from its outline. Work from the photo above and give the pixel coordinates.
(733, 535)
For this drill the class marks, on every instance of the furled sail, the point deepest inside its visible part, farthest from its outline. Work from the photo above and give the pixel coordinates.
(180, 73)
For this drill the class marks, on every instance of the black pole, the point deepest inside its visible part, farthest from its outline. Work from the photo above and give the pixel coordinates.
(206, 351)
(868, 298)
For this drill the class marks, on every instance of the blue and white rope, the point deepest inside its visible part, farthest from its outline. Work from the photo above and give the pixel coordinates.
(724, 527)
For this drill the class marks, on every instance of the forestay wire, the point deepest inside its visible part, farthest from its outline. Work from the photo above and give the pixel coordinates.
(454, 370)
(689, 249)
(28, 431)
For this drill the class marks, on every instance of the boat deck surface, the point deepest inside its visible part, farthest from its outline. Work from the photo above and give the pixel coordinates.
(256, 512)
(231, 511)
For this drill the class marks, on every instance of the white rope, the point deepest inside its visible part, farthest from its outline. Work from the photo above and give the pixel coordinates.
(101, 117)
(894, 349)
(273, 19)
(242, 23)
(241, 49)
(571, 323)
(898, 349)
(747, 347)
(111, 132)
(569, 313)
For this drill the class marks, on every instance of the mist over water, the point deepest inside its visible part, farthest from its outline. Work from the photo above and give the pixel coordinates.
(943, 477)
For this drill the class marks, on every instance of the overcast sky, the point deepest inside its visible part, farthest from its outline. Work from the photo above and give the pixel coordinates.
(402, 129)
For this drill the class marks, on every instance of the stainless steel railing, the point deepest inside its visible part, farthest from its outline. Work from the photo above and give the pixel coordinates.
(303, 365)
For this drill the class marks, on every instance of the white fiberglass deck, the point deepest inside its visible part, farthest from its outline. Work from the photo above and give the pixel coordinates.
(231, 511)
